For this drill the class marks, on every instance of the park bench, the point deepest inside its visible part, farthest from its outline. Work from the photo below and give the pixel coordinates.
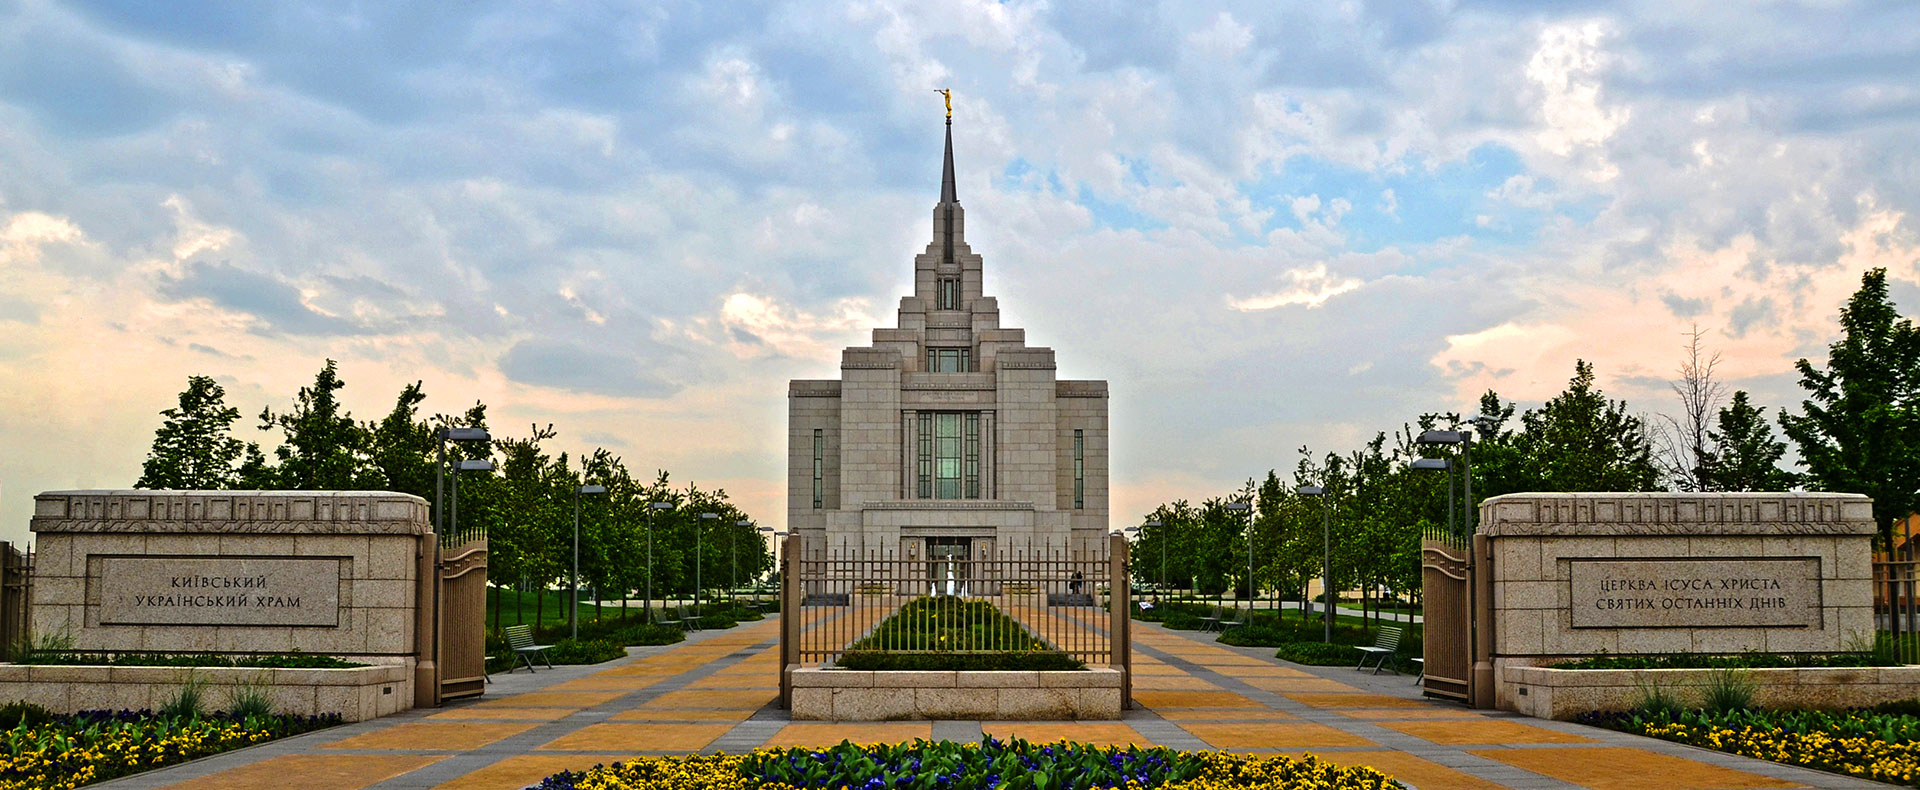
(1422, 664)
(1385, 648)
(520, 641)
(674, 620)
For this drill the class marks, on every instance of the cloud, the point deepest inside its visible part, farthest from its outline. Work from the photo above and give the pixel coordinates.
(1310, 288)
(577, 367)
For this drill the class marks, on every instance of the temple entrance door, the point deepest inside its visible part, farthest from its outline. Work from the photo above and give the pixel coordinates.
(947, 559)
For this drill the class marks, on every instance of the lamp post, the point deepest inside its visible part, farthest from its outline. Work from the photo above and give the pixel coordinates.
(756, 563)
(698, 555)
(1246, 507)
(1326, 541)
(735, 576)
(1465, 440)
(1162, 585)
(652, 506)
(573, 606)
(444, 435)
(1437, 465)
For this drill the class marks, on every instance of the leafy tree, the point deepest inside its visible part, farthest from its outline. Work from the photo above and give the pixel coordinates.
(1743, 455)
(1580, 441)
(401, 447)
(194, 448)
(323, 449)
(1859, 430)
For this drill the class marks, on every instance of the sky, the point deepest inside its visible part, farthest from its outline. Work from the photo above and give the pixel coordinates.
(1267, 225)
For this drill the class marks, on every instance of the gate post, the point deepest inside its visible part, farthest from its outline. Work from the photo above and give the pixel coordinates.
(1480, 577)
(1120, 602)
(426, 622)
(790, 599)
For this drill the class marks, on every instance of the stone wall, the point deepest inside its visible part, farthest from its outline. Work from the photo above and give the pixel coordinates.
(235, 572)
(1567, 693)
(357, 694)
(855, 695)
(1581, 574)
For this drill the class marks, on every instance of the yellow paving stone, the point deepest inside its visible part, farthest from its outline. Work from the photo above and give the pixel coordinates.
(1192, 699)
(1098, 733)
(502, 714)
(1355, 701)
(605, 683)
(1482, 732)
(1405, 768)
(1272, 736)
(522, 770)
(1228, 714)
(1286, 685)
(638, 738)
(830, 733)
(552, 699)
(1624, 768)
(650, 714)
(1156, 669)
(736, 684)
(1232, 660)
(1396, 714)
(713, 699)
(1181, 683)
(434, 735)
(1264, 672)
(315, 772)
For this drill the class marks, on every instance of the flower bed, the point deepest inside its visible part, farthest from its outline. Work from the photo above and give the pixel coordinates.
(990, 765)
(1734, 661)
(62, 752)
(264, 661)
(1883, 747)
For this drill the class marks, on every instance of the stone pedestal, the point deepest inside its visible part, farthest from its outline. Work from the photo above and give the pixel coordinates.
(1582, 574)
(235, 572)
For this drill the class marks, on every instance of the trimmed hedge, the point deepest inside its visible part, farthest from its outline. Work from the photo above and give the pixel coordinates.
(970, 662)
(1736, 661)
(1319, 654)
(270, 661)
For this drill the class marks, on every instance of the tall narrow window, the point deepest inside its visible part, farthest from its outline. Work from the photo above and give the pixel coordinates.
(819, 468)
(949, 293)
(949, 457)
(1079, 469)
(924, 474)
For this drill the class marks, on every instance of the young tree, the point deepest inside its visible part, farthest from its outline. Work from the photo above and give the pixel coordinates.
(1682, 439)
(1743, 455)
(1859, 430)
(194, 448)
(401, 446)
(1580, 441)
(323, 449)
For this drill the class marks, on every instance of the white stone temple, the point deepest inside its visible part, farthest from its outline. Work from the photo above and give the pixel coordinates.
(949, 436)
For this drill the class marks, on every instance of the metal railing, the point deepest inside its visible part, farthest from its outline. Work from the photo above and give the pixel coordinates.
(963, 599)
(1896, 613)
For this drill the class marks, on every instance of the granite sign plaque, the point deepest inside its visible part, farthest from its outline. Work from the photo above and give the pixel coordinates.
(269, 591)
(1730, 592)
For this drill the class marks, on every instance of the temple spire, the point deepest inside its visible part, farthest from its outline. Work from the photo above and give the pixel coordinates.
(947, 193)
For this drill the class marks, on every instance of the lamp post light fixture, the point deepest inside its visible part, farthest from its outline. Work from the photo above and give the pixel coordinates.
(1436, 465)
(1243, 506)
(1327, 598)
(1465, 439)
(573, 606)
(699, 556)
(652, 506)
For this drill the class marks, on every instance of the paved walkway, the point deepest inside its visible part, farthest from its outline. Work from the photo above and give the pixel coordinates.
(714, 693)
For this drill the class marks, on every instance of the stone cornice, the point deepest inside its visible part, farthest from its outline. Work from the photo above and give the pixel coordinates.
(946, 504)
(248, 512)
(1600, 514)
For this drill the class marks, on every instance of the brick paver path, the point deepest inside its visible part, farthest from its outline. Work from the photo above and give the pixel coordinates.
(714, 693)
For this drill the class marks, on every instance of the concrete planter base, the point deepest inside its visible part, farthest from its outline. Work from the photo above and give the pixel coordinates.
(1566, 693)
(357, 693)
(855, 695)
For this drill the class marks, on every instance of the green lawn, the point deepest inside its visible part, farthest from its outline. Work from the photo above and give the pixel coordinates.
(517, 607)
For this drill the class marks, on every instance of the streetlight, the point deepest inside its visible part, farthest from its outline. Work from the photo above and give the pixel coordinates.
(699, 555)
(1465, 440)
(573, 608)
(1244, 506)
(1326, 541)
(757, 587)
(652, 506)
(443, 436)
(735, 576)
(1156, 524)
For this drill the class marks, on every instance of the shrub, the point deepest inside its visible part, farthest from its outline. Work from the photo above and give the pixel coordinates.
(249, 702)
(1738, 660)
(21, 713)
(1899, 707)
(584, 651)
(1319, 654)
(1655, 699)
(186, 702)
(1181, 621)
(1259, 636)
(648, 634)
(294, 660)
(1028, 661)
(1729, 689)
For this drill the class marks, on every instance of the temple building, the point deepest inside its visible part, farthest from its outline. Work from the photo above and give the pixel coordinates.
(949, 436)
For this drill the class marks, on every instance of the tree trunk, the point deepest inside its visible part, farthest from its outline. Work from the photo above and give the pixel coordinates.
(539, 607)
(495, 591)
